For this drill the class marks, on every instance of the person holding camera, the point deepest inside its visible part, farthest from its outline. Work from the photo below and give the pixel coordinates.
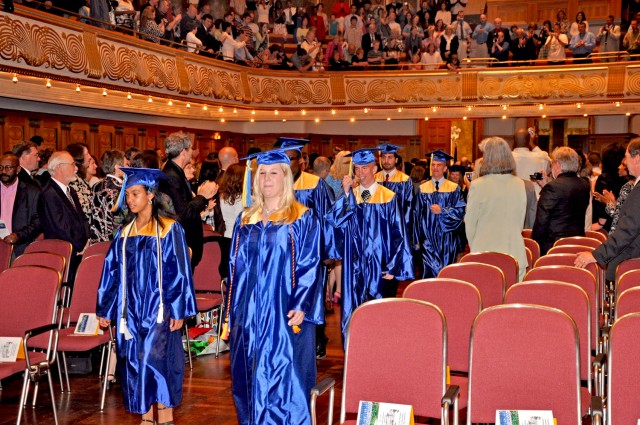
(631, 42)
(608, 39)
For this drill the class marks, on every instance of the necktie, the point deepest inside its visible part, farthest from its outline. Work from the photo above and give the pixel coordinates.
(386, 179)
(460, 28)
(70, 197)
(437, 183)
(366, 195)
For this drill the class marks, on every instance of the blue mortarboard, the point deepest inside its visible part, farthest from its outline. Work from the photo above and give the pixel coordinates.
(440, 156)
(457, 168)
(389, 148)
(290, 143)
(363, 156)
(274, 156)
(148, 177)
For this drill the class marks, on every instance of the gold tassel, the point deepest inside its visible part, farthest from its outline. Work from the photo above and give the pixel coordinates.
(296, 329)
(225, 330)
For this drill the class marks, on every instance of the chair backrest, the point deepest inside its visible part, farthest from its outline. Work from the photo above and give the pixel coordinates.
(100, 248)
(570, 249)
(576, 276)
(505, 262)
(413, 371)
(629, 279)
(487, 278)
(526, 233)
(602, 237)
(206, 276)
(628, 302)
(623, 398)
(55, 246)
(627, 265)
(524, 356)
(6, 251)
(567, 297)
(529, 258)
(534, 247)
(47, 259)
(28, 298)
(578, 240)
(460, 302)
(85, 288)
(556, 260)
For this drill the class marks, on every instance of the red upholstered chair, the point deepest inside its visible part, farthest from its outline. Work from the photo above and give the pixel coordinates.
(534, 247)
(602, 237)
(628, 302)
(628, 280)
(55, 246)
(578, 240)
(505, 262)
(47, 259)
(28, 300)
(6, 251)
(569, 249)
(623, 397)
(412, 372)
(487, 278)
(556, 260)
(627, 265)
(100, 248)
(524, 357)
(572, 300)
(526, 233)
(529, 258)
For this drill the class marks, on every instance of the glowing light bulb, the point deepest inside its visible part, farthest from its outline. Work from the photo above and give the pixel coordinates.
(15, 78)
(188, 105)
(150, 100)
(170, 102)
(48, 83)
(205, 107)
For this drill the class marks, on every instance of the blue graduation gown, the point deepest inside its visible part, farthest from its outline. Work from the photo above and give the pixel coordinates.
(435, 233)
(402, 185)
(374, 243)
(151, 362)
(272, 368)
(312, 192)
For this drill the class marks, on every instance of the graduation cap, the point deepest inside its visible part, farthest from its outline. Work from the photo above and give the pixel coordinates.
(457, 168)
(148, 177)
(274, 156)
(389, 148)
(290, 143)
(440, 156)
(363, 156)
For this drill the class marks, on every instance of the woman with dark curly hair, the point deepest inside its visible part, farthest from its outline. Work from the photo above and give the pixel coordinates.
(609, 180)
(86, 169)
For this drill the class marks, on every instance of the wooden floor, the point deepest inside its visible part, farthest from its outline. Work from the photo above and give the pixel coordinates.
(207, 394)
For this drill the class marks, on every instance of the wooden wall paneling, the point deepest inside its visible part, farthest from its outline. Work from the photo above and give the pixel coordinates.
(435, 134)
(105, 140)
(14, 133)
(129, 138)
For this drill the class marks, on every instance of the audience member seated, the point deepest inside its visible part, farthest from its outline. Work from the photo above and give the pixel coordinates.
(301, 60)
(375, 55)
(359, 62)
(336, 63)
(453, 63)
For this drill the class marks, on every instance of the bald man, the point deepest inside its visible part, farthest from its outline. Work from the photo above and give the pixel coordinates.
(18, 206)
(321, 167)
(227, 157)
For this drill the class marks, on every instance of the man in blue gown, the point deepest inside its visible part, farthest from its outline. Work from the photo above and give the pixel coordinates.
(312, 192)
(394, 179)
(438, 210)
(375, 249)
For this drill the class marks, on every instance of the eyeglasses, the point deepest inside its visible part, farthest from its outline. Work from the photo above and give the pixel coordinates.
(7, 167)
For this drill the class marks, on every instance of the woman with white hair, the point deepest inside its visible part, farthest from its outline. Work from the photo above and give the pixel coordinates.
(274, 300)
(496, 204)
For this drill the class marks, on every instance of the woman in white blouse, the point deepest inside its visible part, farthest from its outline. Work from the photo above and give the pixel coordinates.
(444, 14)
(580, 17)
(431, 59)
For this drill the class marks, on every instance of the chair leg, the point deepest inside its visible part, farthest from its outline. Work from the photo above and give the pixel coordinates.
(53, 400)
(23, 396)
(105, 381)
(66, 371)
(101, 363)
(36, 387)
(59, 367)
(218, 325)
(186, 331)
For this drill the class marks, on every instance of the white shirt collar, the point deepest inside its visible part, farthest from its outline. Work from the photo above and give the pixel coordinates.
(390, 173)
(62, 186)
(372, 189)
(116, 178)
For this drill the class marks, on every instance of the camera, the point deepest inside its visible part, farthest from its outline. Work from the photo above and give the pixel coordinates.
(468, 176)
(536, 176)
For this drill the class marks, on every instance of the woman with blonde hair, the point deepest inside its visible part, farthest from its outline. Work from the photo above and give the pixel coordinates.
(338, 170)
(274, 301)
(497, 203)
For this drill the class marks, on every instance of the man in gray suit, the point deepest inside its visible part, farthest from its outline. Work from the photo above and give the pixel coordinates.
(624, 243)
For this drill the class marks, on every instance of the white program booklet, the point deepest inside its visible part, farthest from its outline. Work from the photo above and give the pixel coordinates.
(87, 325)
(374, 413)
(524, 417)
(11, 349)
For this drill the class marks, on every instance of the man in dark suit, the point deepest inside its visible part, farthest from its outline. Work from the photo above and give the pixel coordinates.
(187, 207)
(624, 243)
(210, 45)
(369, 38)
(18, 206)
(563, 202)
(60, 211)
(28, 156)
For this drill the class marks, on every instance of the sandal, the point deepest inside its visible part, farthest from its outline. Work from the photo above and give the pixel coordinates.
(147, 421)
(336, 297)
(165, 423)
(111, 380)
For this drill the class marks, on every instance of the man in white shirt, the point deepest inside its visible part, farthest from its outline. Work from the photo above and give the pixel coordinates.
(463, 31)
(528, 162)
(395, 27)
(354, 13)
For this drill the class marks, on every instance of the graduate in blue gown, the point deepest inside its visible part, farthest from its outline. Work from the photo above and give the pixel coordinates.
(275, 300)
(147, 291)
(438, 210)
(394, 179)
(376, 252)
